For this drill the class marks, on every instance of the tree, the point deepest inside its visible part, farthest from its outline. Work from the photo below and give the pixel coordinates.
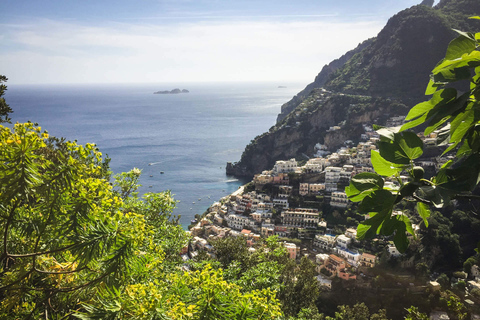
(415, 314)
(358, 312)
(444, 281)
(300, 289)
(74, 245)
(455, 119)
(468, 264)
(62, 225)
(4, 108)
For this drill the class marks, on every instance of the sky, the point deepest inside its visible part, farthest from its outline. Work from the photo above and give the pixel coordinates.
(157, 41)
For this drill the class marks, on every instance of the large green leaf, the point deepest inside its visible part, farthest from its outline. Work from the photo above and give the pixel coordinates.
(420, 111)
(451, 75)
(442, 112)
(378, 201)
(463, 178)
(404, 147)
(462, 123)
(364, 231)
(471, 59)
(388, 132)
(424, 212)
(400, 239)
(362, 185)
(382, 166)
(459, 47)
(414, 123)
(438, 196)
(391, 152)
(432, 87)
(410, 144)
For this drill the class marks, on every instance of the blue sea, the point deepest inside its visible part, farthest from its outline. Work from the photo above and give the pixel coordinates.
(188, 136)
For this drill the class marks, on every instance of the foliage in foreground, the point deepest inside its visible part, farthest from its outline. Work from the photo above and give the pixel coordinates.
(74, 246)
(455, 118)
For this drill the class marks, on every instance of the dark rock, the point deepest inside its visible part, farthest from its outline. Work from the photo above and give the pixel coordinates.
(174, 91)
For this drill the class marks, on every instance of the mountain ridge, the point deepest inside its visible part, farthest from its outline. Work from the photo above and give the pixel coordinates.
(388, 72)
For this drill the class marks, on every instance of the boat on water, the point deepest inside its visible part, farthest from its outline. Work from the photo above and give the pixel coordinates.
(161, 172)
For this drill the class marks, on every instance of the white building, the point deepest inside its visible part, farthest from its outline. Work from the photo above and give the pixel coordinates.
(300, 217)
(282, 166)
(281, 203)
(325, 242)
(353, 258)
(351, 233)
(239, 222)
(339, 199)
(332, 176)
(343, 241)
(314, 165)
(316, 188)
(303, 189)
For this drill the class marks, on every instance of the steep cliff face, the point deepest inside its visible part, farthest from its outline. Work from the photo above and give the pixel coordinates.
(376, 80)
(301, 130)
(320, 80)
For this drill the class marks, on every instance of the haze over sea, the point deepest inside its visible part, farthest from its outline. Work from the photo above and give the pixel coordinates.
(189, 137)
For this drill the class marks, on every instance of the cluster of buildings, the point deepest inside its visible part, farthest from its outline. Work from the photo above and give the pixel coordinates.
(263, 212)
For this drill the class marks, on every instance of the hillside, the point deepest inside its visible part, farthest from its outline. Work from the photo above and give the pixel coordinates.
(383, 76)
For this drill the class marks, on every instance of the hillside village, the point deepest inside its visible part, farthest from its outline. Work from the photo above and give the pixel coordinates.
(294, 201)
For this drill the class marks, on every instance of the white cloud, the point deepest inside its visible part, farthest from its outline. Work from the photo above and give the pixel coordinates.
(56, 52)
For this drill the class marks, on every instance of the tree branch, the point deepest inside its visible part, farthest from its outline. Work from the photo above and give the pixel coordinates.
(60, 272)
(466, 196)
(40, 253)
(421, 200)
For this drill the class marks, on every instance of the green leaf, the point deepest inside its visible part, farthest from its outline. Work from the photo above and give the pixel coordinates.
(378, 201)
(451, 75)
(421, 111)
(362, 185)
(404, 147)
(414, 123)
(459, 47)
(411, 144)
(363, 231)
(388, 133)
(431, 87)
(464, 177)
(382, 166)
(443, 112)
(438, 196)
(465, 34)
(471, 59)
(424, 212)
(461, 124)
(408, 224)
(400, 239)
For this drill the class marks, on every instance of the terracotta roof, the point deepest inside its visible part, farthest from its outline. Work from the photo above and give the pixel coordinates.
(334, 257)
(245, 231)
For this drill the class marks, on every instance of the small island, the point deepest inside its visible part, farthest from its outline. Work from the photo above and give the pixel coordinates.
(174, 91)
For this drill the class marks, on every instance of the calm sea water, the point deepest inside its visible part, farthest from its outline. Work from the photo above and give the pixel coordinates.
(189, 137)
